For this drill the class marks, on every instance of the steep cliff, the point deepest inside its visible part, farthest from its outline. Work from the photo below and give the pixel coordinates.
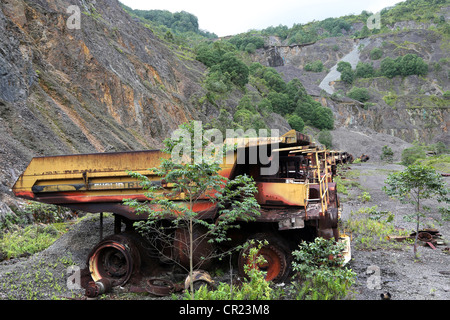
(108, 85)
(410, 108)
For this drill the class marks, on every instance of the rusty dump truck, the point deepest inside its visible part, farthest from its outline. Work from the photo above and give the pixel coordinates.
(299, 201)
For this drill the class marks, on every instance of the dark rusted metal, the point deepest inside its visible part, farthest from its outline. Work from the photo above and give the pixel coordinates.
(160, 287)
(424, 236)
(276, 265)
(97, 288)
(202, 247)
(114, 258)
(199, 278)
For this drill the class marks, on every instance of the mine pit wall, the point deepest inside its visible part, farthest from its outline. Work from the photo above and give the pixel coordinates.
(428, 125)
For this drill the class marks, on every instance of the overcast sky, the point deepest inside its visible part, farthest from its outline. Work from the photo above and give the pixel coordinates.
(229, 17)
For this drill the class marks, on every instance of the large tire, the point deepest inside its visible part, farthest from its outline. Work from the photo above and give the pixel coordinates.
(276, 253)
(203, 249)
(115, 258)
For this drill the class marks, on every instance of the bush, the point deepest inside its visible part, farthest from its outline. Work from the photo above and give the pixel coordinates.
(343, 66)
(254, 287)
(325, 138)
(446, 94)
(316, 66)
(323, 118)
(237, 69)
(407, 65)
(387, 154)
(376, 54)
(364, 70)
(296, 122)
(29, 240)
(360, 94)
(371, 228)
(410, 155)
(389, 68)
(319, 265)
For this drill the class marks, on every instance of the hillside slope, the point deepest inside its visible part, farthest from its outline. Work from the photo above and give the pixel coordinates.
(409, 108)
(111, 85)
(114, 84)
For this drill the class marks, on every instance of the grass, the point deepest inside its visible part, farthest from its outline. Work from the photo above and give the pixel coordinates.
(440, 163)
(30, 239)
(346, 180)
(371, 229)
(43, 281)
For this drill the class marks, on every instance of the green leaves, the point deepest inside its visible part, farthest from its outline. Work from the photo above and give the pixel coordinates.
(187, 183)
(319, 264)
(415, 184)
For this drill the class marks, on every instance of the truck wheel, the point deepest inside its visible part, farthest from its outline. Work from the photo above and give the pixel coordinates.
(115, 258)
(201, 257)
(276, 254)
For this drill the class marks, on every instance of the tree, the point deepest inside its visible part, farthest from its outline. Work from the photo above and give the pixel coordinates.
(347, 74)
(280, 102)
(237, 69)
(360, 94)
(296, 122)
(174, 224)
(389, 68)
(413, 185)
(325, 138)
(376, 54)
(387, 154)
(364, 70)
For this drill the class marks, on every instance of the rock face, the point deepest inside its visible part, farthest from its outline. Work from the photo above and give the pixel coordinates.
(410, 108)
(109, 85)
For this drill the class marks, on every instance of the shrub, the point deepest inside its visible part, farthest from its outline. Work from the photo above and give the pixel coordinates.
(410, 155)
(376, 54)
(255, 286)
(372, 227)
(387, 154)
(319, 266)
(325, 138)
(364, 70)
(323, 118)
(316, 66)
(389, 68)
(390, 98)
(360, 94)
(296, 122)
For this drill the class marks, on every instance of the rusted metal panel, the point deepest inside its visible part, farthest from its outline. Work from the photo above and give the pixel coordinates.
(282, 194)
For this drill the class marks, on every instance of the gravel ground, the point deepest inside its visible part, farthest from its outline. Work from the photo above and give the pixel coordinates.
(399, 273)
(44, 275)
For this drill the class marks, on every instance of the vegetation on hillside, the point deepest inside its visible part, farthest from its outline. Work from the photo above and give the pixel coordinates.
(230, 70)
